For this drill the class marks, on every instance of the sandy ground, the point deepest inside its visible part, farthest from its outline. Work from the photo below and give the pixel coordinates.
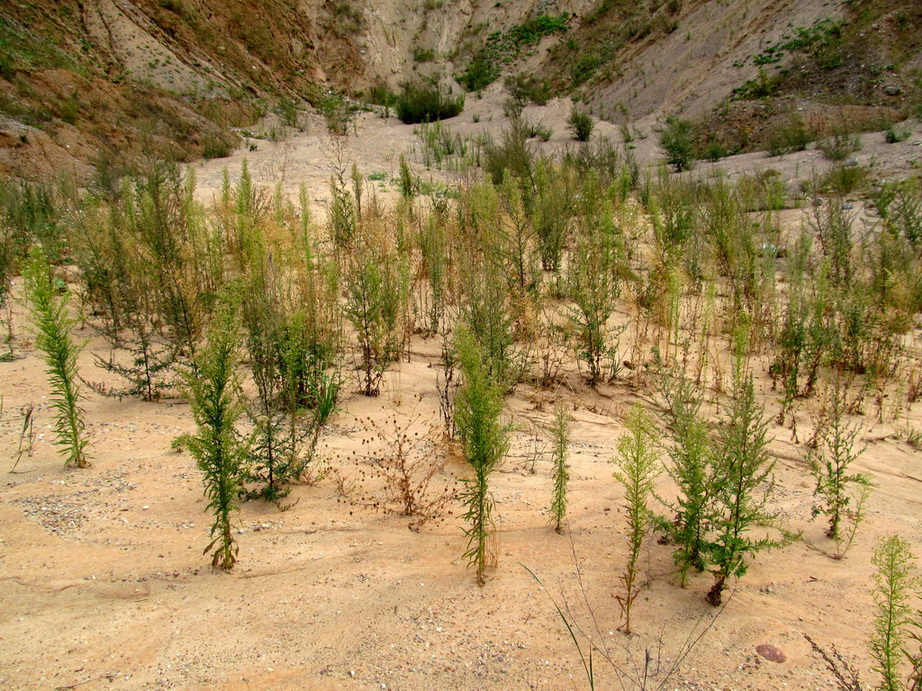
(104, 584)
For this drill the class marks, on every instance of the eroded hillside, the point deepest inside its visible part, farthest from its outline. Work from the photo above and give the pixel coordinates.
(96, 83)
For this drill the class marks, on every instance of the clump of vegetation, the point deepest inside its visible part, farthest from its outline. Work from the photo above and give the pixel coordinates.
(420, 102)
(52, 323)
(840, 145)
(677, 141)
(788, 137)
(580, 124)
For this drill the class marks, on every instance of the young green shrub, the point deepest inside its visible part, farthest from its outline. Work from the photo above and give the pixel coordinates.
(840, 145)
(895, 583)
(639, 463)
(553, 210)
(216, 446)
(676, 141)
(580, 124)
(743, 471)
(560, 433)
(478, 406)
(377, 293)
(842, 494)
(594, 285)
(692, 470)
(895, 135)
(52, 323)
(789, 137)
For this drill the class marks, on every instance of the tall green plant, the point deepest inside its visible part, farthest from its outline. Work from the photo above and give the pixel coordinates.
(895, 583)
(377, 294)
(594, 285)
(744, 471)
(692, 470)
(560, 433)
(639, 463)
(52, 323)
(216, 445)
(842, 494)
(478, 406)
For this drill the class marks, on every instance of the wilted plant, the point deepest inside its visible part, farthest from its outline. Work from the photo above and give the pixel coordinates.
(639, 463)
(478, 406)
(52, 323)
(409, 465)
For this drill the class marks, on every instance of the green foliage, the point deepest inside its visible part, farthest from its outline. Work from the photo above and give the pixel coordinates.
(553, 209)
(895, 583)
(789, 136)
(423, 54)
(525, 89)
(895, 135)
(594, 284)
(376, 286)
(692, 469)
(840, 145)
(503, 47)
(52, 324)
(676, 141)
(478, 406)
(560, 433)
(639, 463)
(338, 114)
(216, 446)
(512, 156)
(842, 493)
(819, 39)
(743, 469)
(420, 102)
(580, 124)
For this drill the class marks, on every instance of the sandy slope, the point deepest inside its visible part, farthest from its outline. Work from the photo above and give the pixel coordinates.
(104, 584)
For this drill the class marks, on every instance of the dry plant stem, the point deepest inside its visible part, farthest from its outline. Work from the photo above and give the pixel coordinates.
(842, 670)
(409, 465)
(650, 674)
